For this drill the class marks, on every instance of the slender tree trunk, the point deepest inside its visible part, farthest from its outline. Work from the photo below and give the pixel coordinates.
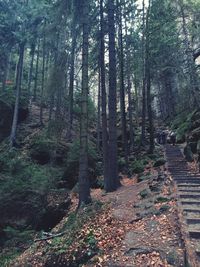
(112, 181)
(84, 185)
(99, 113)
(43, 76)
(71, 83)
(122, 86)
(31, 69)
(36, 71)
(130, 101)
(130, 114)
(51, 106)
(149, 108)
(143, 82)
(18, 91)
(103, 96)
(148, 83)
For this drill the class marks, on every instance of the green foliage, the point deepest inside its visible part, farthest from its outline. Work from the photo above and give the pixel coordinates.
(182, 131)
(144, 178)
(137, 166)
(20, 174)
(91, 108)
(9, 98)
(8, 256)
(159, 162)
(15, 235)
(144, 193)
(161, 199)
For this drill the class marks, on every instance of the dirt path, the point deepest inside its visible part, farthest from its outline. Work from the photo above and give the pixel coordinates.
(139, 227)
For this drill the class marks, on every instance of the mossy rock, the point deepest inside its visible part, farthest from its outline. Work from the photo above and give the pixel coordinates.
(188, 153)
(144, 193)
(144, 178)
(159, 162)
(164, 208)
(161, 199)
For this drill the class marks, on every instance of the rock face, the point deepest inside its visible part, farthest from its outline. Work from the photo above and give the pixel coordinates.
(6, 115)
(193, 137)
(33, 209)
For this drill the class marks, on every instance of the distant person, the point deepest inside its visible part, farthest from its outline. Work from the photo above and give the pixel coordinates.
(173, 138)
(163, 137)
(159, 139)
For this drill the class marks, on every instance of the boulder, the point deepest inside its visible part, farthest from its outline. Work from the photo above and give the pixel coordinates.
(37, 210)
(6, 116)
(188, 153)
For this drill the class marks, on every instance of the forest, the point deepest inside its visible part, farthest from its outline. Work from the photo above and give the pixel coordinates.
(99, 133)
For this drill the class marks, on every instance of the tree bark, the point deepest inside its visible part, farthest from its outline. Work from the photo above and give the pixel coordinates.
(112, 181)
(122, 86)
(143, 83)
(36, 71)
(18, 92)
(31, 69)
(103, 96)
(84, 185)
(71, 83)
(43, 74)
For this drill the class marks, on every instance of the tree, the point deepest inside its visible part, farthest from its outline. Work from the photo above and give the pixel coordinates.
(112, 180)
(84, 186)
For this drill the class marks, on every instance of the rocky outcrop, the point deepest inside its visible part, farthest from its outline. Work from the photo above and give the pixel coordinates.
(6, 115)
(34, 209)
(193, 136)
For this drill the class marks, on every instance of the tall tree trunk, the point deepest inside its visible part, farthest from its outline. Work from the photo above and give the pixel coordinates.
(36, 71)
(99, 112)
(148, 84)
(31, 68)
(71, 83)
(122, 86)
(84, 185)
(130, 101)
(143, 82)
(43, 75)
(112, 181)
(18, 91)
(103, 96)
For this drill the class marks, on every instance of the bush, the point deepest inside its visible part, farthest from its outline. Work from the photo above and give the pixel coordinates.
(137, 166)
(159, 162)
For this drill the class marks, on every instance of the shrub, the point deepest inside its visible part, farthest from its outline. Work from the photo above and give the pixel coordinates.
(137, 166)
(159, 162)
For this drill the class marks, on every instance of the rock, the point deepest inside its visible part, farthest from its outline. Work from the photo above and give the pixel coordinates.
(144, 193)
(194, 136)
(6, 116)
(159, 162)
(34, 209)
(138, 250)
(57, 204)
(188, 153)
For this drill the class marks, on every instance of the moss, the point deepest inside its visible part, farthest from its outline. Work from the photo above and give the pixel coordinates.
(159, 162)
(137, 166)
(161, 199)
(144, 193)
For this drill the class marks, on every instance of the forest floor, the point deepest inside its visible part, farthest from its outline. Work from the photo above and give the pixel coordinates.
(137, 225)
